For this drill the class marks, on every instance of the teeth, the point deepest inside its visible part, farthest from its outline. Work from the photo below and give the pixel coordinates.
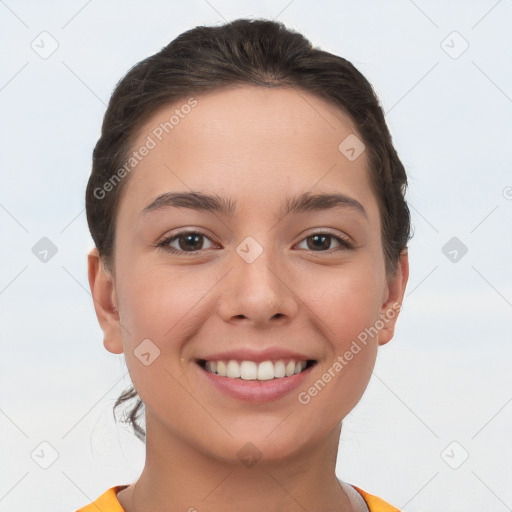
(221, 368)
(266, 371)
(250, 370)
(299, 367)
(211, 366)
(279, 370)
(290, 368)
(233, 370)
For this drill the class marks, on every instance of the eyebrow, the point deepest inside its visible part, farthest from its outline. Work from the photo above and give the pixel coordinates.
(302, 203)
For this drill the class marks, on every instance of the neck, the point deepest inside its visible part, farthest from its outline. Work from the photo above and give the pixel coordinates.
(177, 474)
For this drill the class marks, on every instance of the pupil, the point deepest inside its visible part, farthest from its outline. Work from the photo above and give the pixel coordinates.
(325, 244)
(190, 241)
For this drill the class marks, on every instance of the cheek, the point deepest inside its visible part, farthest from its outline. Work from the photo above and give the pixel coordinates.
(347, 303)
(153, 304)
(168, 310)
(348, 309)
(157, 315)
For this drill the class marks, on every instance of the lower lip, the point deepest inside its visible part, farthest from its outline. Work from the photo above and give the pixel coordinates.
(256, 390)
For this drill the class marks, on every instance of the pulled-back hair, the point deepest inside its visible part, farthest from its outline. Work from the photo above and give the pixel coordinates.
(242, 52)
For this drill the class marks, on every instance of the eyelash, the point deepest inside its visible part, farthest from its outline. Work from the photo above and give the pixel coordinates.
(345, 243)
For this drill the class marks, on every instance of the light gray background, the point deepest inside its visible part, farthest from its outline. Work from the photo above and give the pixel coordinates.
(446, 375)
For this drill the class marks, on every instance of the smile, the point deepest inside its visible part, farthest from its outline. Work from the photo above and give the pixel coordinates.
(251, 370)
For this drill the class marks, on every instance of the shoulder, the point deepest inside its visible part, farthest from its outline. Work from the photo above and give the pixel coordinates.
(107, 502)
(375, 504)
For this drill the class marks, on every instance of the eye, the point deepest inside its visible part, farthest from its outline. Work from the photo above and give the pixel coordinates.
(189, 242)
(184, 242)
(320, 242)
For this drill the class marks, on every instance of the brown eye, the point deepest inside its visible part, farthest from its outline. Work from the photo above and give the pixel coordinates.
(184, 242)
(321, 242)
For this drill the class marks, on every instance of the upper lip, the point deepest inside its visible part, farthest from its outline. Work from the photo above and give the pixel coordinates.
(258, 356)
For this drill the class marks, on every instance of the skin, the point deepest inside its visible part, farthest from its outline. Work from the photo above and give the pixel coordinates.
(257, 146)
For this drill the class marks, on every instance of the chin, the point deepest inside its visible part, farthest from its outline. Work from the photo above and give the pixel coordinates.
(259, 448)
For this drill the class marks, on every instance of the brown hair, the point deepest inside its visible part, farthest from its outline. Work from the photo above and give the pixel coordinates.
(245, 51)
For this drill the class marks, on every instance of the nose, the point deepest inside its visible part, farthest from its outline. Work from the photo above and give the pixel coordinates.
(259, 293)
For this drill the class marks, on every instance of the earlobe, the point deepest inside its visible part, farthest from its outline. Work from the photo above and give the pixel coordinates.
(105, 302)
(391, 307)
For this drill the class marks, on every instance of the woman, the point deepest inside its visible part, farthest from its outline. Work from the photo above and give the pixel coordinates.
(250, 227)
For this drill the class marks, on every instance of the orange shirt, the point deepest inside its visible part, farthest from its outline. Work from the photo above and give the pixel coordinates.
(375, 504)
(108, 502)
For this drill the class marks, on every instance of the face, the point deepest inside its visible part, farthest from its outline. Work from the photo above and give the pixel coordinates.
(268, 273)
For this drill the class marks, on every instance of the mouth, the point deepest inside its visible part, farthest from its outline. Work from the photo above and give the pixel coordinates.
(247, 370)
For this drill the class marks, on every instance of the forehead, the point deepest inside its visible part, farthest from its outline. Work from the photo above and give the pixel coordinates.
(250, 143)
(242, 117)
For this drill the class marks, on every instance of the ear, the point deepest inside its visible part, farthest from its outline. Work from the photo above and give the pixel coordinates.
(393, 299)
(105, 302)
